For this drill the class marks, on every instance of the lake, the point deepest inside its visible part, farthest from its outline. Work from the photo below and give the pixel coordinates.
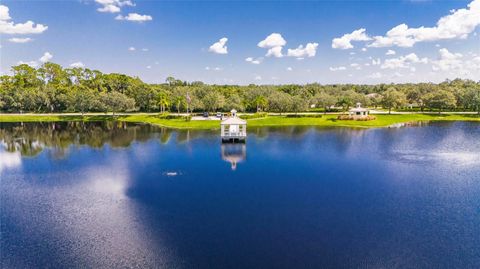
(115, 195)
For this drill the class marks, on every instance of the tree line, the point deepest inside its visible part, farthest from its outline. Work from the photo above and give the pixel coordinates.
(52, 88)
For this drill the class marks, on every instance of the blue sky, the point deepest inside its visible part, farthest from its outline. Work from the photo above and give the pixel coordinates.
(343, 41)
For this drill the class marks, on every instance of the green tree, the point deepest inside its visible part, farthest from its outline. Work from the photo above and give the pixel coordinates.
(116, 102)
(393, 99)
(440, 100)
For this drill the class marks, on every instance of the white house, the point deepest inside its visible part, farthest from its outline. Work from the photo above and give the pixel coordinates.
(358, 111)
(233, 128)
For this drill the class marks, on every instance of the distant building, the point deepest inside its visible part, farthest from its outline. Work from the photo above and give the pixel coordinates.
(233, 128)
(358, 112)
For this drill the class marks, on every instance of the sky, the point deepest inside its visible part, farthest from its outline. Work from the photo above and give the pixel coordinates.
(243, 42)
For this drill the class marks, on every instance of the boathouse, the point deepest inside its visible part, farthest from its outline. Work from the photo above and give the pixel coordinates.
(233, 129)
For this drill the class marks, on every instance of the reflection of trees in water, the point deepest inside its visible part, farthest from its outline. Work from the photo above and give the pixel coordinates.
(31, 138)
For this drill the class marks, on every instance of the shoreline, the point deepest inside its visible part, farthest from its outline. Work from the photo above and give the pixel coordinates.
(272, 120)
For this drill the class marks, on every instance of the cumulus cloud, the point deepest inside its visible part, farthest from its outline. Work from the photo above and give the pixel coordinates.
(77, 65)
(273, 40)
(457, 25)
(219, 47)
(254, 61)
(113, 6)
(9, 27)
(20, 40)
(47, 56)
(289, 68)
(345, 42)
(132, 49)
(403, 61)
(448, 61)
(390, 52)
(274, 43)
(275, 52)
(302, 52)
(340, 68)
(135, 17)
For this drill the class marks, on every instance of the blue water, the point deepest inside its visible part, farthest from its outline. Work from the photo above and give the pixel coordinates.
(114, 196)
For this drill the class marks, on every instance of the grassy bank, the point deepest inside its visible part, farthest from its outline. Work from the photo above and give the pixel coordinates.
(180, 123)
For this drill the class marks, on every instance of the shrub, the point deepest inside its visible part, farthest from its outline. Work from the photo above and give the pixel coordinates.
(255, 116)
(304, 116)
(348, 117)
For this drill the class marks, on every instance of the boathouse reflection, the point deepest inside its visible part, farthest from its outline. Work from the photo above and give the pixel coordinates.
(234, 153)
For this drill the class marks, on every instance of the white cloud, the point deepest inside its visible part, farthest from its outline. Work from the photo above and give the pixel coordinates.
(376, 62)
(403, 61)
(340, 68)
(275, 52)
(345, 42)
(47, 56)
(356, 66)
(254, 61)
(135, 17)
(219, 47)
(390, 52)
(213, 68)
(457, 25)
(448, 61)
(258, 77)
(376, 75)
(109, 9)
(274, 43)
(289, 68)
(4, 13)
(131, 49)
(20, 40)
(149, 67)
(273, 40)
(364, 49)
(9, 27)
(77, 65)
(144, 49)
(113, 6)
(301, 52)
(30, 63)
(352, 53)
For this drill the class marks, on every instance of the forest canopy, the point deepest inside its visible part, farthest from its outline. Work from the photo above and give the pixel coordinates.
(52, 88)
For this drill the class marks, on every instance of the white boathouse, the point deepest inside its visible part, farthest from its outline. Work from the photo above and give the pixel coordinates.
(358, 112)
(233, 128)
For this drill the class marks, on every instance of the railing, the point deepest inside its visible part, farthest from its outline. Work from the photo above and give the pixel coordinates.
(234, 134)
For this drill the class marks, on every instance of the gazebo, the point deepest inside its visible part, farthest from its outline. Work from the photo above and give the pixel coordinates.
(233, 128)
(358, 112)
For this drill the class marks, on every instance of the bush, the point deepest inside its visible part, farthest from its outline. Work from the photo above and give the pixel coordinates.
(304, 116)
(348, 117)
(255, 116)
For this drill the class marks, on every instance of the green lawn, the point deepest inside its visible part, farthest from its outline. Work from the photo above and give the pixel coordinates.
(325, 120)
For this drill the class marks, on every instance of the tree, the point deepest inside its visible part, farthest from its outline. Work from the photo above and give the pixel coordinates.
(393, 99)
(440, 99)
(234, 102)
(279, 102)
(324, 100)
(213, 100)
(116, 102)
(163, 101)
(82, 100)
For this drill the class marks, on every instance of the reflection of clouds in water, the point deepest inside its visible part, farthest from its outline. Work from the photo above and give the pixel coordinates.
(103, 226)
(9, 160)
(458, 158)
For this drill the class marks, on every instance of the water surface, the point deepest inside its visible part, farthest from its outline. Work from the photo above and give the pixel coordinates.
(112, 195)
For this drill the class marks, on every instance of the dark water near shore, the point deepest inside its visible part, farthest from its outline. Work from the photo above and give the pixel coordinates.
(111, 195)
